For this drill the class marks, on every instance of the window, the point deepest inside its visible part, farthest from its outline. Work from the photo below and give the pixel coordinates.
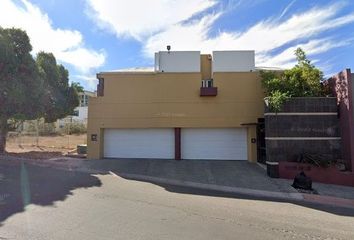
(100, 87)
(207, 83)
(76, 113)
(83, 101)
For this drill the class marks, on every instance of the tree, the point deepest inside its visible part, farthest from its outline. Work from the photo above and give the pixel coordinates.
(78, 87)
(20, 84)
(303, 80)
(31, 89)
(60, 98)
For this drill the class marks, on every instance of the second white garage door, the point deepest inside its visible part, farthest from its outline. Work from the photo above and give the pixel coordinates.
(139, 143)
(214, 143)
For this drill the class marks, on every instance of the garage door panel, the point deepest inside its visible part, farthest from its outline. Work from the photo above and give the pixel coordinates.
(214, 143)
(139, 143)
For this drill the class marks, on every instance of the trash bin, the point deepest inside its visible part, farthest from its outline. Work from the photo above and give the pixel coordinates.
(302, 181)
(273, 169)
(82, 149)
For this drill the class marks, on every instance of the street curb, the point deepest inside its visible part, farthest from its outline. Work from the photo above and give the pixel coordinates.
(212, 187)
(299, 197)
(329, 200)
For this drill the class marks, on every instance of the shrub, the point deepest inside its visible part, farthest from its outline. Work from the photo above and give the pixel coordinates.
(303, 80)
(46, 129)
(276, 100)
(74, 128)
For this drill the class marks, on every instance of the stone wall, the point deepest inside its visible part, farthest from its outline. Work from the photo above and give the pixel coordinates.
(304, 125)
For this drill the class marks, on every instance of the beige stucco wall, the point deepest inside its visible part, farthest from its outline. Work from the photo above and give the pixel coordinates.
(168, 100)
(205, 66)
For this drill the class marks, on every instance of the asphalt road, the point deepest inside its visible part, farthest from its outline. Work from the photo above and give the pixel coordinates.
(40, 203)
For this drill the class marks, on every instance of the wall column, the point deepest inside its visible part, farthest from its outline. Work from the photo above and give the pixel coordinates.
(177, 143)
(342, 87)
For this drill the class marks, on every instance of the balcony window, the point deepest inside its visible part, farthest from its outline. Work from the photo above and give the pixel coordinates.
(207, 83)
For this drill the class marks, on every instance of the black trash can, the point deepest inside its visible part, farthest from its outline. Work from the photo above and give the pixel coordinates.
(273, 169)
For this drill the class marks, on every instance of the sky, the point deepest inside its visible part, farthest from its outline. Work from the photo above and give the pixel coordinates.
(90, 36)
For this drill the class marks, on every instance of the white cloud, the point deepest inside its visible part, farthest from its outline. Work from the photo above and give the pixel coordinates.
(141, 18)
(158, 23)
(184, 36)
(286, 9)
(67, 45)
(268, 35)
(286, 58)
(83, 58)
(90, 81)
(264, 37)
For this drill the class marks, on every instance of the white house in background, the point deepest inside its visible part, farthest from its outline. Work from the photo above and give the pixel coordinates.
(80, 112)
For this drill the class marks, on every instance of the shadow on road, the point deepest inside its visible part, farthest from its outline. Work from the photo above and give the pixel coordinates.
(342, 211)
(26, 184)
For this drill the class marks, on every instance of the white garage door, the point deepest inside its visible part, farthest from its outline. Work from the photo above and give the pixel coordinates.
(139, 143)
(214, 143)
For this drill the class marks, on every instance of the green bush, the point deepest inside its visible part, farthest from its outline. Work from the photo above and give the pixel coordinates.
(303, 80)
(276, 99)
(74, 128)
(46, 129)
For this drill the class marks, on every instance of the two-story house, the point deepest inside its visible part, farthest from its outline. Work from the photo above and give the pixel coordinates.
(190, 106)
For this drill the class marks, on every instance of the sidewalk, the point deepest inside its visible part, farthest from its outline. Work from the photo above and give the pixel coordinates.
(237, 177)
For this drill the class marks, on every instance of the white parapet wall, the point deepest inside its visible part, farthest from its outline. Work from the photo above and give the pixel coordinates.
(177, 61)
(233, 61)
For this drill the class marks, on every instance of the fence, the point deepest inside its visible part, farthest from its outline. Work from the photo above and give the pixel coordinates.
(38, 135)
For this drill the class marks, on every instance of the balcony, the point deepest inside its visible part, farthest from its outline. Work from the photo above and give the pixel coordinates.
(208, 91)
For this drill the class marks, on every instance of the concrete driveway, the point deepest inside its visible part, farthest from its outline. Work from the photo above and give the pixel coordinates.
(238, 174)
(236, 177)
